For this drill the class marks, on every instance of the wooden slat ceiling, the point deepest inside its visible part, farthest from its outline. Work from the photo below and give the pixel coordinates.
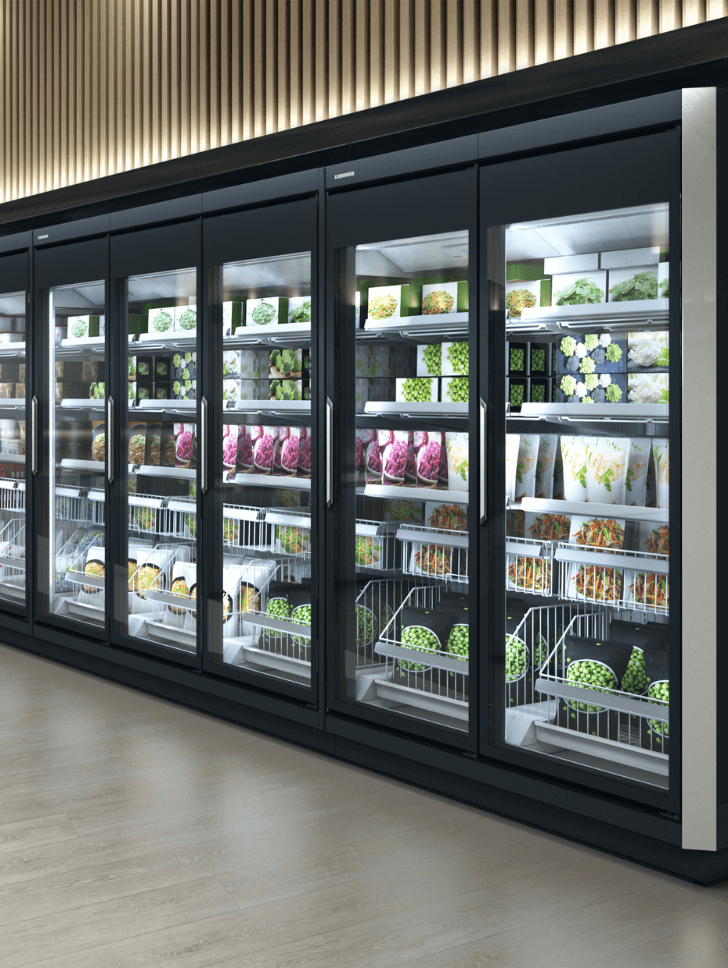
(94, 87)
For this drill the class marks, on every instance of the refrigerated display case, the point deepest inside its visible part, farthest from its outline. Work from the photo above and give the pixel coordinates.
(378, 460)
(266, 480)
(404, 340)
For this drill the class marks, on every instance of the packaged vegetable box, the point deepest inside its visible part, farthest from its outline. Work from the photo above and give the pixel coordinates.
(417, 389)
(444, 297)
(161, 320)
(392, 302)
(455, 358)
(579, 288)
(270, 311)
(185, 320)
(81, 328)
(429, 359)
(299, 309)
(458, 461)
(233, 313)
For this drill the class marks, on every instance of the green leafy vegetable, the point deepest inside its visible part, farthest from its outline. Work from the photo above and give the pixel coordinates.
(641, 286)
(578, 293)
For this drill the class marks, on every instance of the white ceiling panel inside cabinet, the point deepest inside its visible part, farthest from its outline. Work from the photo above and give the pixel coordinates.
(179, 284)
(89, 295)
(625, 228)
(410, 256)
(12, 304)
(290, 271)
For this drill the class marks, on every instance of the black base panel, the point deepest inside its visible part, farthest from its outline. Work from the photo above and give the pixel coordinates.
(443, 777)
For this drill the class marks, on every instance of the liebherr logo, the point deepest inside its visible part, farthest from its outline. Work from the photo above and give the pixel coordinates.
(344, 174)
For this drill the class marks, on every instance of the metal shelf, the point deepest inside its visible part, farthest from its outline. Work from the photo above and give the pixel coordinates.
(419, 494)
(415, 411)
(269, 480)
(279, 334)
(613, 317)
(601, 412)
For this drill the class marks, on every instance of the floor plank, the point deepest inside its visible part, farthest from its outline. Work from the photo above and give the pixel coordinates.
(138, 834)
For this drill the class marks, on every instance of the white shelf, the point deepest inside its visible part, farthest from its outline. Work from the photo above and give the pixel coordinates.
(11, 350)
(284, 407)
(421, 328)
(90, 466)
(84, 403)
(80, 344)
(169, 405)
(12, 458)
(418, 494)
(624, 511)
(13, 404)
(580, 413)
(405, 410)
(152, 470)
(270, 480)
(291, 334)
(641, 313)
(173, 340)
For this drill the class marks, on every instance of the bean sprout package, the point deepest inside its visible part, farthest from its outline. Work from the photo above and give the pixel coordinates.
(592, 664)
(95, 568)
(184, 586)
(423, 630)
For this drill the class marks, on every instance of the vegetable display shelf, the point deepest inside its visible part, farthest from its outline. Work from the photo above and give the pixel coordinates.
(291, 334)
(451, 327)
(12, 496)
(597, 724)
(568, 413)
(160, 609)
(419, 677)
(151, 342)
(167, 408)
(611, 317)
(83, 404)
(75, 352)
(529, 567)
(281, 408)
(402, 493)
(434, 553)
(625, 511)
(14, 406)
(618, 578)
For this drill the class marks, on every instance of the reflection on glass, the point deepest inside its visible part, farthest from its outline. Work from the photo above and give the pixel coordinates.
(267, 607)
(587, 489)
(77, 362)
(162, 443)
(409, 541)
(13, 395)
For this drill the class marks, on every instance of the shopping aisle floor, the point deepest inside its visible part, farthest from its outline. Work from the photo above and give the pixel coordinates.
(136, 833)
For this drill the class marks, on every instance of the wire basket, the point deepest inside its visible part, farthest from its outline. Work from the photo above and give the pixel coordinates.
(290, 533)
(12, 495)
(286, 636)
(145, 514)
(70, 556)
(434, 553)
(12, 559)
(375, 546)
(72, 504)
(439, 672)
(529, 567)
(162, 587)
(376, 605)
(633, 580)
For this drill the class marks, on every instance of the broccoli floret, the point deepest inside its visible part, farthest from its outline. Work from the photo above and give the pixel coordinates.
(287, 394)
(307, 393)
(188, 357)
(614, 393)
(185, 374)
(599, 356)
(176, 387)
(296, 394)
(572, 364)
(176, 359)
(599, 396)
(279, 393)
(591, 341)
(285, 367)
(273, 356)
(274, 384)
(188, 384)
(614, 353)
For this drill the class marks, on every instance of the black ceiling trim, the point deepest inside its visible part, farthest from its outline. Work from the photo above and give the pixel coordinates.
(688, 57)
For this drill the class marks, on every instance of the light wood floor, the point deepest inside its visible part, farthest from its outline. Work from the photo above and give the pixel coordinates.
(135, 834)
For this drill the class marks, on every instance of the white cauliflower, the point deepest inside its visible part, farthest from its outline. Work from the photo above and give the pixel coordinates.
(605, 379)
(605, 339)
(647, 388)
(581, 389)
(581, 350)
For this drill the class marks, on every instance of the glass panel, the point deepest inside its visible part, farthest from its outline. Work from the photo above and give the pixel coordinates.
(267, 477)
(162, 440)
(13, 382)
(408, 539)
(587, 489)
(77, 361)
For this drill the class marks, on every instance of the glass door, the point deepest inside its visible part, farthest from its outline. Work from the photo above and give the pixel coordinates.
(155, 280)
(75, 380)
(587, 298)
(405, 496)
(266, 474)
(14, 380)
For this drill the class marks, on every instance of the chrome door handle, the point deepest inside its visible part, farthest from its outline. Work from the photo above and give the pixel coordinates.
(483, 483)
(110, 440)
(34, 436)
(203, 445)
(329, 452)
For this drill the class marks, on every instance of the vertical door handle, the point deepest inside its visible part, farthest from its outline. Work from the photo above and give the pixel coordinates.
(483, 466)
(329, 452)
(203, 445)
(110, 440)
(34, 436)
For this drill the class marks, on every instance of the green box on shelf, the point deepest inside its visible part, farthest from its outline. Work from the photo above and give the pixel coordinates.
(546, 291)
(233, 315)
(133, 327)
(516, 272)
